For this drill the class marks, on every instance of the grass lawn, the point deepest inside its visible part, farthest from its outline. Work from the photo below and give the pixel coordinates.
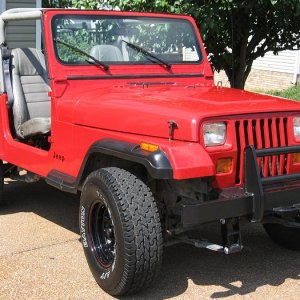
(291, 93)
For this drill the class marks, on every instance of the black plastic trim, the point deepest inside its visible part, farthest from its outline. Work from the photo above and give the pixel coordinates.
(62, 181)
(156, 163)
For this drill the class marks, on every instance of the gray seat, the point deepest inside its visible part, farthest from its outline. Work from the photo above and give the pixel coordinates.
(106, 53)
(30, 83)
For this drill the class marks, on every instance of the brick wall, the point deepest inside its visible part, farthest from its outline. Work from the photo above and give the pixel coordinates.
(262, 80)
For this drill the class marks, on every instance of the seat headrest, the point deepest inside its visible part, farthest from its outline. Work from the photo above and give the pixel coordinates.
(106, 53)
(28, 61)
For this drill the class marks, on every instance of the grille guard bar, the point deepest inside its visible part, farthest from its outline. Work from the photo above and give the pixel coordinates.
(254, 183)
(258, 201)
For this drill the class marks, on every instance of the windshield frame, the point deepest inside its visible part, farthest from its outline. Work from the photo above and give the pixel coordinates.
(99, 16)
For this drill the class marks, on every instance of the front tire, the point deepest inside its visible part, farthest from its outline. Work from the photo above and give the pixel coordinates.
(120, 231)
(286, 237)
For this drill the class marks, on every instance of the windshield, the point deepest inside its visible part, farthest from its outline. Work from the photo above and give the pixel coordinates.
(125, 40)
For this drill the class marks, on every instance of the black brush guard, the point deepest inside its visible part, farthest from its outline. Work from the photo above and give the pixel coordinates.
(260, 196)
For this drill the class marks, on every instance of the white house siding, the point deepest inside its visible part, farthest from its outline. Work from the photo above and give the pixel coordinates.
(21, 33)
(275, 71)
(271, 71)
(283, 62)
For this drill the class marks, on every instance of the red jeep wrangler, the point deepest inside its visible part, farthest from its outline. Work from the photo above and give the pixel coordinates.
(122, 107)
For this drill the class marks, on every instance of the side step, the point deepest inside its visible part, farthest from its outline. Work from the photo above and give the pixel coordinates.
(231, 235)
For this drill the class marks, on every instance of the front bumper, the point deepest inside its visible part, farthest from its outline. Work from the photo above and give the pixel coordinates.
(259, 197)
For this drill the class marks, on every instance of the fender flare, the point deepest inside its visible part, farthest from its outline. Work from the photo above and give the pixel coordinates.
(156, 163)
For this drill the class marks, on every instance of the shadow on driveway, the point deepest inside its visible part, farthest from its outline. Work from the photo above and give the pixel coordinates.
(45, 201)
(260, 263)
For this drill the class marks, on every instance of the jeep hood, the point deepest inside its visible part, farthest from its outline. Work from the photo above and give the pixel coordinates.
(146, 111)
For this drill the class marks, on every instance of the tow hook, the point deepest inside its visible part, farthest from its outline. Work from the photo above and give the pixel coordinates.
(231, 236)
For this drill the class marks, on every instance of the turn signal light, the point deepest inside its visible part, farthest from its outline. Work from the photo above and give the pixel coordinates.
(149, 147)
(224, 165)
(296, 158)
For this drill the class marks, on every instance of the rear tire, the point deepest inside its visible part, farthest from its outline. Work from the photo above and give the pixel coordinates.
(120, 231)
(286, 237)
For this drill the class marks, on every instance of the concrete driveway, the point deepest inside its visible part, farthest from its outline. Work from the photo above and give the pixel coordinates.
(41, 257)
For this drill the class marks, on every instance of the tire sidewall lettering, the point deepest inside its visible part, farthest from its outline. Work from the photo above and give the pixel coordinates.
(83, 227)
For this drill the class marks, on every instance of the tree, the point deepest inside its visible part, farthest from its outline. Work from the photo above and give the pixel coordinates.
(91, 4)
(235, 32)
(57, 3)
(238, 32)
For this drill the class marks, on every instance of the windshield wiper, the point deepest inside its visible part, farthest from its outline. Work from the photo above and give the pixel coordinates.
(148, 55)
(94, 59)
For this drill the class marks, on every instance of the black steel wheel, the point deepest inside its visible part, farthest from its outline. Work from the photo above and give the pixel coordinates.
(120, 231)
(102, 234)
(286, 237)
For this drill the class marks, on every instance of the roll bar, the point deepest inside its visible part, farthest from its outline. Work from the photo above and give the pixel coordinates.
(17, 14)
